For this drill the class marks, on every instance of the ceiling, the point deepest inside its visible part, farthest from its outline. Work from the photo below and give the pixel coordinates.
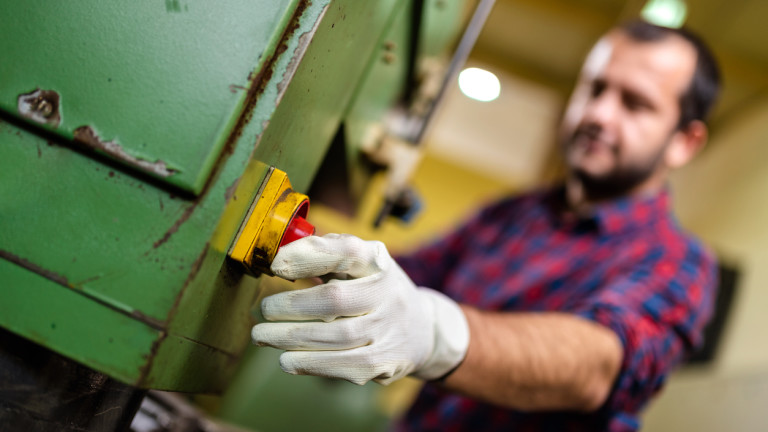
(537, 46)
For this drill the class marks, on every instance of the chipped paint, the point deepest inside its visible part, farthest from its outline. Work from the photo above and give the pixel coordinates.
(233, 88)
(29, 265)
(86, 281)
(194, 270)
(61, 280)
(175, 227)
(40, 106)
(258, 81)
(150, 357)
(298, 54)
(148, 320)
(85, 135)
(229, 193)
(145, 369)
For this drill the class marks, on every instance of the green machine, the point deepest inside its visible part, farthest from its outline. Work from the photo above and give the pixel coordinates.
(134, 139)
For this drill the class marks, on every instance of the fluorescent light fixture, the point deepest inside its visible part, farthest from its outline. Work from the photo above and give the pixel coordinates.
(666, 13)
(479, 84)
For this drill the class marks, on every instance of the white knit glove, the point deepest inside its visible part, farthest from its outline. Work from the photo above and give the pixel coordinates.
(376, 325)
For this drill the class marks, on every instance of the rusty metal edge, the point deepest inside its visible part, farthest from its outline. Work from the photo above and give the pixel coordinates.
(257, 87)
(61, 280)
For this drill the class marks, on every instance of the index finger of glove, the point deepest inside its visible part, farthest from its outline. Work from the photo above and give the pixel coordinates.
(324, 302)
(333, 253)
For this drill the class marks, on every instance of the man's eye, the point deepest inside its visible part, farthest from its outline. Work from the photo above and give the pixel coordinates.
(634, 103)
(597, 88)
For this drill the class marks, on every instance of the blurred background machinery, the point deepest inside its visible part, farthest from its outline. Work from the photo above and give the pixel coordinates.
(134, 139)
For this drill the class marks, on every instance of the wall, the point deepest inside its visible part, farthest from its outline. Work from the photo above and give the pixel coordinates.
(722, 198)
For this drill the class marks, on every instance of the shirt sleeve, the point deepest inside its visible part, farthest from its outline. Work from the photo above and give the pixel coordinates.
(658, 310)
(430, 265)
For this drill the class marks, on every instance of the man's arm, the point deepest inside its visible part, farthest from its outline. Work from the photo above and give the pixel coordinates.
(537, 361)
(375, 324)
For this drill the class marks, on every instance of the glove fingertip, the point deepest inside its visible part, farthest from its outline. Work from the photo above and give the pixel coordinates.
(288, 363)
(384, 381)
(282, 268)
(258, 336)
(267, 307)
(357, 381)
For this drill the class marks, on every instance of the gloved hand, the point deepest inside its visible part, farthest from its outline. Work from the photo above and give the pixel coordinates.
(377, 325)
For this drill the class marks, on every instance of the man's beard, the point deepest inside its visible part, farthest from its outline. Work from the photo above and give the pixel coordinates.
(622, 180)
(613, 185)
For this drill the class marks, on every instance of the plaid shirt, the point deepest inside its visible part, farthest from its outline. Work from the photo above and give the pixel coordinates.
(628, 267)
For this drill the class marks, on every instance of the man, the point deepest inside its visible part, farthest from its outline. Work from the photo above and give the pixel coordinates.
(561, 310)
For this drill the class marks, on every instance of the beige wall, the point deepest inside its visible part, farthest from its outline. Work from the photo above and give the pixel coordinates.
(723, 197)
(709, 403)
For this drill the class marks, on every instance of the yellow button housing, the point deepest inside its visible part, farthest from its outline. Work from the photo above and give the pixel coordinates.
(270, 215)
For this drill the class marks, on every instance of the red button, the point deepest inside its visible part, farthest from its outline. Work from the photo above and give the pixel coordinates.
(297, 228)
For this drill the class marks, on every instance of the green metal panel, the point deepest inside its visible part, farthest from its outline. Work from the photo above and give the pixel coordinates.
(382, 88)
(442, 25)
(116, 342)
(51, 221)
(134, 272)
(102, 233)
(265, 399)
(346, 42)
(158, 79)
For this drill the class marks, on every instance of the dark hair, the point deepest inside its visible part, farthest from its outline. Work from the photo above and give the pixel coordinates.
(698, 99)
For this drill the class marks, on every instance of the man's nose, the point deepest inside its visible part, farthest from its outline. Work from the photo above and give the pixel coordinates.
(602, 109)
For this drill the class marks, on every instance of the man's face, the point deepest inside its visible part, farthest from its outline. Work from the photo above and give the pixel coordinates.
(625, 110)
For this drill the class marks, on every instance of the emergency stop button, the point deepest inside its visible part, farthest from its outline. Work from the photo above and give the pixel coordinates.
(276, 218)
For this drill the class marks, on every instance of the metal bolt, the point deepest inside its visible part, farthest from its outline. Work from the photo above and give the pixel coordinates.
(389, 58)
(43, 106)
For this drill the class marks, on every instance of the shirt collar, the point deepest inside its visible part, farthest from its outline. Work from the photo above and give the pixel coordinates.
(613, 217)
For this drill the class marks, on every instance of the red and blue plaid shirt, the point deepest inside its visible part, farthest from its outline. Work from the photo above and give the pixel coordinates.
(629, 267)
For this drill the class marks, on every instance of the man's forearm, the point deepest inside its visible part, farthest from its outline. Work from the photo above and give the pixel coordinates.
(537, 361)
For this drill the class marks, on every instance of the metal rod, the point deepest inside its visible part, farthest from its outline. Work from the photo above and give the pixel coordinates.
(458, 60)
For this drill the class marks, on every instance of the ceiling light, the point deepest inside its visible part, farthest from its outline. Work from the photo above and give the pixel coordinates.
(666, 13)
(479, 84)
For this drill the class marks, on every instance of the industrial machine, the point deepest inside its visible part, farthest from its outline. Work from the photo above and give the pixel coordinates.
(145, 156)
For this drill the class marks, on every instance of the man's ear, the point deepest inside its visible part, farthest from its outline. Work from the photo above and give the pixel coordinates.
(686, 143)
